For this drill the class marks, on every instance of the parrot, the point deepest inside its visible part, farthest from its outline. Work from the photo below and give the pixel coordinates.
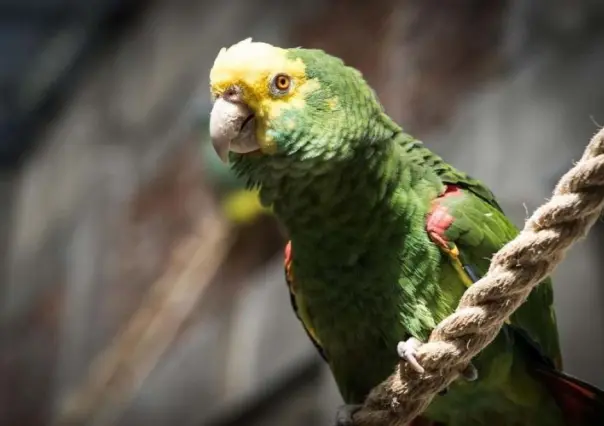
(384, 237)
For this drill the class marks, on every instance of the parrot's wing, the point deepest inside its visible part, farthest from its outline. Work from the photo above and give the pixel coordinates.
(470, 229)
(297, 307)
(468, 224)
(448, 174)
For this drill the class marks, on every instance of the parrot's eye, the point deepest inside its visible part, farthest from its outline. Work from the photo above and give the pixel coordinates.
(281, 84)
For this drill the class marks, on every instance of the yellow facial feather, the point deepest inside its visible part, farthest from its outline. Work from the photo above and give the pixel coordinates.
(252, 66)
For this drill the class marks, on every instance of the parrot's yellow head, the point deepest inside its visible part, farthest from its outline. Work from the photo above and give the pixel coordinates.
(253, 83)
(287, 108)
(269, 80)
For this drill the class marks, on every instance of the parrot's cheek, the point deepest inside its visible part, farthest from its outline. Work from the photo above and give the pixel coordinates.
(232, 128)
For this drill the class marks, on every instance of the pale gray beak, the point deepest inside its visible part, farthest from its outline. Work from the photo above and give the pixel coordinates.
(232, 128)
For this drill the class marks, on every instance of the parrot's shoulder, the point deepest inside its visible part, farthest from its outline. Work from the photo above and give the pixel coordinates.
(452, 176)
(448, 174)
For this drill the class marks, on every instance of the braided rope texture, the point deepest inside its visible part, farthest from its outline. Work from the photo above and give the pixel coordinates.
(515, 270)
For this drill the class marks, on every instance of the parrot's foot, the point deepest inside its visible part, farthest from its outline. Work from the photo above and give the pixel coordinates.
(470, 373)
(407, 351)
(345, 413)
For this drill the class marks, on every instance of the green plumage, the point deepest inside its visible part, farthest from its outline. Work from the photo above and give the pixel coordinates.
(354, 193)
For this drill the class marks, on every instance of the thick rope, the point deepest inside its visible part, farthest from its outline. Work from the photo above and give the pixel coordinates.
(519, 266)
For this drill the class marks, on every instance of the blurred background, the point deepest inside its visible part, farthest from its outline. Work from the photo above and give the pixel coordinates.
(140, 285)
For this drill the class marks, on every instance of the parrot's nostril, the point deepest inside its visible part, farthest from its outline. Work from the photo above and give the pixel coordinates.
(232, 94)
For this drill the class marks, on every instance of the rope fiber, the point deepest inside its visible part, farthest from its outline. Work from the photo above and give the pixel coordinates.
(515, 270)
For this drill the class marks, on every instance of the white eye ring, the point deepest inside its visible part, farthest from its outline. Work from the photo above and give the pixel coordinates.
(281, 84)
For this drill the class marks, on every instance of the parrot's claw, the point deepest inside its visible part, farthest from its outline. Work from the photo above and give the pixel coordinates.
(345, 413)
(407, 350)
(470, 373)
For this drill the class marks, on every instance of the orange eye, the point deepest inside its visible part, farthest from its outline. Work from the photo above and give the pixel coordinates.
(282, 82)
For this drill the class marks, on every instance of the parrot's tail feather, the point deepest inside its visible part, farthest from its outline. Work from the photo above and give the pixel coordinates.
(581, 403)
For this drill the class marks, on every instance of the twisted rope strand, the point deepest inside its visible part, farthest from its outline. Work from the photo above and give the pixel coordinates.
(515, 270)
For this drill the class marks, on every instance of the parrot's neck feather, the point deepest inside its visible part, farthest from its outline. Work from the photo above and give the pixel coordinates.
(353, 200)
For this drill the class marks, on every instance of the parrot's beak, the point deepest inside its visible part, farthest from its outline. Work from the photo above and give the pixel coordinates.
(232, 127)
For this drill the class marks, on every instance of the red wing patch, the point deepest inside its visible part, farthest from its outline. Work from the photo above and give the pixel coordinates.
(451, 190)
(288, 264)
(288, 253)
(439, 219)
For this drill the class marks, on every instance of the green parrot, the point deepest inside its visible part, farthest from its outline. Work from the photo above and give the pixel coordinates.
(385, 237)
